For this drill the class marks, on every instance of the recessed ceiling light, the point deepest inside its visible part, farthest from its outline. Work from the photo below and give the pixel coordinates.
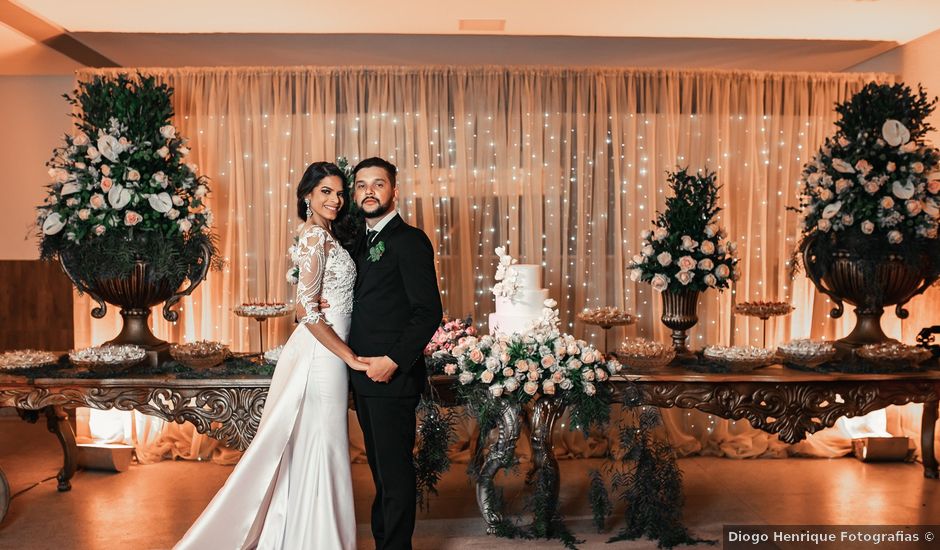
(483, 25)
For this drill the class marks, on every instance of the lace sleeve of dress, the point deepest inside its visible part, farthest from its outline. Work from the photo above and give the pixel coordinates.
(312, 251)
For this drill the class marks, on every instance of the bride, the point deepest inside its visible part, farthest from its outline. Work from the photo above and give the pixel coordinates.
(292, 488)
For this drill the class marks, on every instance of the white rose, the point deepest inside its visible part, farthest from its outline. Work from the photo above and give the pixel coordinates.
(168, 131)
(647, 250)
(902, 191)
(52, 224)
(178, 200)
(161, 202)
(686, 263)
(660, 282)
(684, 277)
(80, 139)
(895, 133)
(549, 303)
(710, 280)
(664, 259)
(895, 237)
(706, 264)
(589, 388)
(831, 210)
(97, 201)
(511, 385)
(84, 214)
(867, 227)
(636, 274)
(183, 151)
(160, 178)
(646, 234)
(842, 166)
(163, 152)
(133, 175)
(465, 378)
(548, 387)
(93, 154)
(708, 248)
(118, 197)
(660, 233)
(566, 384)
(688, 243)
(110, 147)
(496, 390)
(200, 191)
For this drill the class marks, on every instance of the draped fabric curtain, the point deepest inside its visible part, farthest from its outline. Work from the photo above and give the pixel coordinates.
(564, 166)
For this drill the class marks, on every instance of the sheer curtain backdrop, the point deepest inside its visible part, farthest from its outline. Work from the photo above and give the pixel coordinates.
(565, 165)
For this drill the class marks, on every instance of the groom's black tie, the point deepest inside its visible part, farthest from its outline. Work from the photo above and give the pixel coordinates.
(370, 234)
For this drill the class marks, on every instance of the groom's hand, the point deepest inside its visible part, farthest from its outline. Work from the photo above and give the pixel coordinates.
(381, 369)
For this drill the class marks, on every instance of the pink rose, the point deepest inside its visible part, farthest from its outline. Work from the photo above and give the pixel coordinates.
(891, 167)
(601, 374)
(450, 369)
(684, 277)
(557, 377)
(686, 263)
(588, 374)
(106, 184)
(913, 207)
(548, 387)
(548, 361)
(934, 187)
(96, 201)
(868, 227)
(530, 388)
(917, 167)
(863, 166)
(132, 218)
(486, 376)
(476, 355)
(99, 230)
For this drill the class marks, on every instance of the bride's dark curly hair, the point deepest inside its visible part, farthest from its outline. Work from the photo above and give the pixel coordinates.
(313, 176)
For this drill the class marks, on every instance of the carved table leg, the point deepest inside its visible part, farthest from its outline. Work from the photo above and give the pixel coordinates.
(4, 495)
(546, 411)
(57, 420)
(927, 430)
(499, 455)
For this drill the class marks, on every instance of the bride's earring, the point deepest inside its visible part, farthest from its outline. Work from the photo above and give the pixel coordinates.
(309, 210)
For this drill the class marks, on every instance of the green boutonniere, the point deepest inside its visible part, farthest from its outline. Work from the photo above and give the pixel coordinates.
(375, 253)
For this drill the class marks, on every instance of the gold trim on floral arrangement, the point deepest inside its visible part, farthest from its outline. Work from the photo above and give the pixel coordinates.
(763, 310)
(124, 355)
(642, 353)
(894, 354)
(263, 309)
(606, 317)
(201, 354)
(26, 358)
(807, 353)
(739, 357)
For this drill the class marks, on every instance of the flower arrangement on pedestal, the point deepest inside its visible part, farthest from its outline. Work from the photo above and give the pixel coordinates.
(870, 205)
(542, 362)
(687, 252)
(124, 202)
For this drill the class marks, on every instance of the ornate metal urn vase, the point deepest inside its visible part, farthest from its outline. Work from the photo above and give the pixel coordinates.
(869, 285)
(679, 314)
(136, 293)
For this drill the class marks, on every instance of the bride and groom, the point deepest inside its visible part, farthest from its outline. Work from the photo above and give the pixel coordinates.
(372, 303)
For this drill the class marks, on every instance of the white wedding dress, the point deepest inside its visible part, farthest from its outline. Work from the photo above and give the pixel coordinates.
(292, 489)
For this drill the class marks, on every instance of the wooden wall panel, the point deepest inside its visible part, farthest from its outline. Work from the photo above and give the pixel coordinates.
(35, 306)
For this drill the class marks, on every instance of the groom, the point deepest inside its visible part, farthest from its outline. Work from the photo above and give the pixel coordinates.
(397, 310)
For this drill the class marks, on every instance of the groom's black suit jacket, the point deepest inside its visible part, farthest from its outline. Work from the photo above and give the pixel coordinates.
(397, 308)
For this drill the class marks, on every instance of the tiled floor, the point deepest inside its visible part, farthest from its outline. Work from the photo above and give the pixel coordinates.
(150, 507)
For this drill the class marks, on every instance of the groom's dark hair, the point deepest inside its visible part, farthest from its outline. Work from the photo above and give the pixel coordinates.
(370, 162)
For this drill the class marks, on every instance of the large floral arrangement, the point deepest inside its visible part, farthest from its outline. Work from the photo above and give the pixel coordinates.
(541, 362)
(687, 249)
(122, 189)
(875, 181)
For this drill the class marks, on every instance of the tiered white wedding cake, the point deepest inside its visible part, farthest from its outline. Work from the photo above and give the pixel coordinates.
(520, 298)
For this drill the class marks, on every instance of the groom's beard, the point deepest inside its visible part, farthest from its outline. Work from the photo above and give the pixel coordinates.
(380, 210)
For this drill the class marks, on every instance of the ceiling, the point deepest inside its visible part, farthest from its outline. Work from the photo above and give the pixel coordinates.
(767, 34)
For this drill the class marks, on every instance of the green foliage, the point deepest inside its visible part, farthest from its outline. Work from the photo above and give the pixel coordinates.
(600, 500)
(435, 436)
(868, 109)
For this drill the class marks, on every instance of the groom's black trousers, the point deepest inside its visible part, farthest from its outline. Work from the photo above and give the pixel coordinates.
(388, 428)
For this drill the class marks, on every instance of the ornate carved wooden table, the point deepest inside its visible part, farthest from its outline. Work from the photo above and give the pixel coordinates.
(227, 409)
(786, 402)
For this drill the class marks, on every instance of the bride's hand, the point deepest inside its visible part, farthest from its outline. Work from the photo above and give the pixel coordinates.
(358, 365)
(324, 305)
